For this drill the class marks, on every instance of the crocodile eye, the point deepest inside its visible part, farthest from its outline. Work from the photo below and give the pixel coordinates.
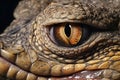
(67, 34)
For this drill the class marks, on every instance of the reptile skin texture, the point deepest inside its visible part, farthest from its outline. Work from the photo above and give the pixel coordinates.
(62, 40)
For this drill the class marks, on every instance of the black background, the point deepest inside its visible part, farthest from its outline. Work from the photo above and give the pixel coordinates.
(6, 12)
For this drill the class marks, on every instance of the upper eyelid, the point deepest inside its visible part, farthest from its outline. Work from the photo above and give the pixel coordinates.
(90, 26)
(61, 21)
(94, 23)
(76, 23)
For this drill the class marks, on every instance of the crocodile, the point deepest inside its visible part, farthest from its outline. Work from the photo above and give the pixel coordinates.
(62, 40)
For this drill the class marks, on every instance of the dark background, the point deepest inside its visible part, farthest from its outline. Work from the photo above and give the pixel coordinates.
(6, 12)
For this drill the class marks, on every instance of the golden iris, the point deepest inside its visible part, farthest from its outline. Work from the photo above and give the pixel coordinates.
(68, 34)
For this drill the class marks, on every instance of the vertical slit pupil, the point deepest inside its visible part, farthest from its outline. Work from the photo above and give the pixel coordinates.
(68, 30)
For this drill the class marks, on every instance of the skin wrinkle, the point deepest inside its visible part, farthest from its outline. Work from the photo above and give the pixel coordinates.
(26, 41)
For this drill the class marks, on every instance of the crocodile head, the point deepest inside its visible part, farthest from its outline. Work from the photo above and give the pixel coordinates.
(65, 40)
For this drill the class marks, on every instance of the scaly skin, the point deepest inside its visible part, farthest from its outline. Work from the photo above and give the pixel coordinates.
(28, 53)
